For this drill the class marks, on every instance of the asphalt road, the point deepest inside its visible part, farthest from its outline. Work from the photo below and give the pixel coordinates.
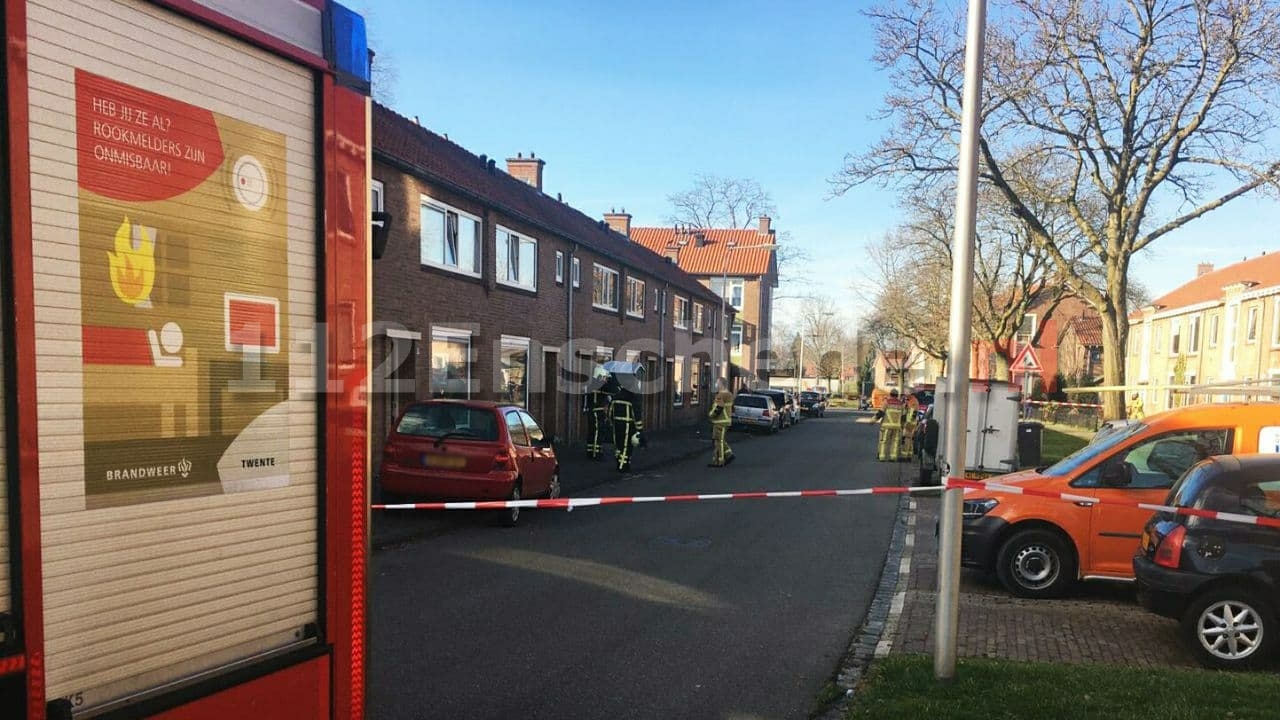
(723, 609)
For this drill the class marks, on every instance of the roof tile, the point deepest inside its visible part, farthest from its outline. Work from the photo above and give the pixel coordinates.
(713, 257)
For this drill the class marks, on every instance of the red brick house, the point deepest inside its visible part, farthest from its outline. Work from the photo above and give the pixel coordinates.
(491, 289)
(1067, 339)
(736, 264)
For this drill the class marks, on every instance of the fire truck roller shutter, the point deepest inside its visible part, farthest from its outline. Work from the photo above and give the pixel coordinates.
(174, 224)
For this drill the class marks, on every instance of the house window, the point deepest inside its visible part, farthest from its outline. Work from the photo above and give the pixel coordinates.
(604, 292)
(735, 339)
(559, 267)
(450, 238)
(517, 258)
(1275, 323)
(377, 191)
(450, 364)
(1155, 337)
(514, 371)
(1251, 326)
(730, 289)
(577, 273)
(677, 394)
(1026, 330)
(1231, 320)
(657, 302)
(1193, 334)
(701, 382)
(698, 320)
(1175, 335)
(635, 297)
(681, 319)
(1213, 331)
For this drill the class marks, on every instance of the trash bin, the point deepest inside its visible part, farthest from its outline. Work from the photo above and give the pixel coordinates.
(1030, 443)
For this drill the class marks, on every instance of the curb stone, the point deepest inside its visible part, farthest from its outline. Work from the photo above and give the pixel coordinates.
(862, 645)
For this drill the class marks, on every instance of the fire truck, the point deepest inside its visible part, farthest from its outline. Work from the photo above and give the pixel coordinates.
(185, 288)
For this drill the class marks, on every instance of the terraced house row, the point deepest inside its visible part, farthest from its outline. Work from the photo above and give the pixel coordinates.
(1221, 327)
(489, 288)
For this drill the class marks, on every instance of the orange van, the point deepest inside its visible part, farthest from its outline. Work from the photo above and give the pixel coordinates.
(1039, 547)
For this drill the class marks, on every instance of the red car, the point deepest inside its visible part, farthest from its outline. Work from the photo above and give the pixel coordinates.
(469, 450)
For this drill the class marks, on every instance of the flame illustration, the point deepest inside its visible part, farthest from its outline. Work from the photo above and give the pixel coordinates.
(133, 270)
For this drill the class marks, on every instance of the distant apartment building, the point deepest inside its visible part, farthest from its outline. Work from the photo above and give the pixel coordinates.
(739, 266)
(1223, 326)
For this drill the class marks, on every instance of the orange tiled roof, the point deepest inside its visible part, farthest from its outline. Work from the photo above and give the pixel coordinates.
(1262, 270)
(1088, 329)
(709, 258)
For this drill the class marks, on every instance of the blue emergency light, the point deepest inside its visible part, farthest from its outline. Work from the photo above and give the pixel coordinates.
(346, 46)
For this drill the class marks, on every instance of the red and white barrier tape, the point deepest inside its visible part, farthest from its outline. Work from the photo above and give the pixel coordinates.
(1071, 497)
(571, 503)
(1063, 404)
(955, 483)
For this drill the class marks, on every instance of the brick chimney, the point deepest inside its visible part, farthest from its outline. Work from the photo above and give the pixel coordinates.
(526, 169)
(1204, 269)
(765, 222)
(619, 222)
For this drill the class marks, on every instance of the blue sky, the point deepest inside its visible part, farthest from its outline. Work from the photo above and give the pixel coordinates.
(627, 102)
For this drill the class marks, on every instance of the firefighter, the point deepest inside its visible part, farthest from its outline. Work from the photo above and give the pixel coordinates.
(596, 406)
(910, 421)
(721, 418)
(1134, 410)
(890, 417)
(627, 412)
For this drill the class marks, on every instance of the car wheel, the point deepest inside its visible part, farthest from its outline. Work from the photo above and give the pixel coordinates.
(1036, 564)
(511, 516)
(553, 489)
(1229, 628)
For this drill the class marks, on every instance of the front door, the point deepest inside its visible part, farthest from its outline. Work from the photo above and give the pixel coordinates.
(1141, 473)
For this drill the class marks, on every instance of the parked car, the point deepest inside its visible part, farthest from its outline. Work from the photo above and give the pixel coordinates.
(469, 450)
(783, 404)
(1039, 547)
(813, 404)
(756, 412)
(1220, 579)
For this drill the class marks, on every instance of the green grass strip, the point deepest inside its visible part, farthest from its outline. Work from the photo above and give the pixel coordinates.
(902, 686)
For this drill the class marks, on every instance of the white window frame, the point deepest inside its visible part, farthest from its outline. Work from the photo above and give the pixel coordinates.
(1175, 336)
(1251, 325)
(577, 272)
(1215, 325)
(425, 201)
(454, 334)
(636, 290)
(605, 272)
(699, 318)
(740, 329)
(559, 267)
(377, 196)
(677, 388)
(1017, 335)
(1193, 335)
(1275, 322)
(502, 259)
(509, 342)
(680, 311)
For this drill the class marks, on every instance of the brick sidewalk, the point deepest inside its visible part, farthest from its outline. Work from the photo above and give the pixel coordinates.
(1098, 622)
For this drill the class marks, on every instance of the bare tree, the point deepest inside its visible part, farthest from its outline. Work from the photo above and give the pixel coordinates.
(1157, 111)
(718, 202)
(721, 202)
(898, 352)
(386, 71)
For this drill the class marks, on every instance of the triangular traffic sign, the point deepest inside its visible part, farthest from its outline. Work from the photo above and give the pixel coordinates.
(1026, 361)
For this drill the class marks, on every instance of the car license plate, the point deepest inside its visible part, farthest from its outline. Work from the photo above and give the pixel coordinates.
(443, 462)
(977, 475)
